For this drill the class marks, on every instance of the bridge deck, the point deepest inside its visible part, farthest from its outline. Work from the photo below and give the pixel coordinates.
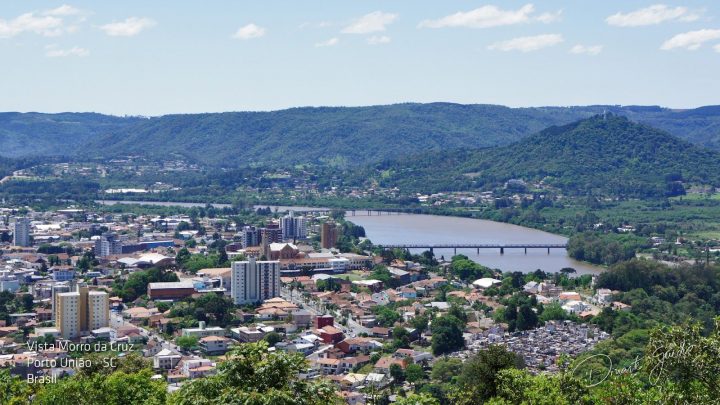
(474, 246)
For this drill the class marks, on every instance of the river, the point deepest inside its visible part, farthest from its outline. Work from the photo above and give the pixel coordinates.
(436, 229)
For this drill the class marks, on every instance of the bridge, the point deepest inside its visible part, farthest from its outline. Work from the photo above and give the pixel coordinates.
(456, 246)
(362, 212)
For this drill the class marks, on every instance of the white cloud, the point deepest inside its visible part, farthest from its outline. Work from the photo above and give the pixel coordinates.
(528, 44)
(717, 48)
(378, 40)
(63, 10)
(652, 15)
(329, 42)
(51, 51)
(128, 28)
(691, 40)
(249, 31)
(548, 18)
(483, 17)
(369, 23)
(48, 26)
(586, 49)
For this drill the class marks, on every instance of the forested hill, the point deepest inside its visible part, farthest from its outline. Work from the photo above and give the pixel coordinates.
(342, 135)
(599, 155)
(37, 134)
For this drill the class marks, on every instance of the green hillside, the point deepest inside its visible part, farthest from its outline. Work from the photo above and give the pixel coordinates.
(37, 134)
(349, 136)
(600, 155)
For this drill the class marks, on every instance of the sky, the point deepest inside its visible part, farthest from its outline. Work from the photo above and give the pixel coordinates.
(160, 57)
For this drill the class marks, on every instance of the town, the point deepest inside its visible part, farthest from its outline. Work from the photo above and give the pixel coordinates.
(183, 290)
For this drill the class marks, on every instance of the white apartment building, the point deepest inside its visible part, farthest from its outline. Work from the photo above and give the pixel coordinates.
(293, 227)
(98, 310)
(21, 231)
(254, 281)
(81, 311)
(67, 314)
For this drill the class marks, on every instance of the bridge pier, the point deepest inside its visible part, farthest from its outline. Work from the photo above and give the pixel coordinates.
(548, 250)
(455, 251)
(478, 251)
(502, 250)
(432, 252)
(525, 250)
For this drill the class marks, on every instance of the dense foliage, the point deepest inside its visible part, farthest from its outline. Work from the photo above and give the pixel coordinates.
(336, 136)
(601, 155)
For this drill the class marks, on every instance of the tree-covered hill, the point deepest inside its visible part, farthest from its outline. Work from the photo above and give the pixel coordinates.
(350, 136)
(599, 155)
(37, 134)
(340, 136)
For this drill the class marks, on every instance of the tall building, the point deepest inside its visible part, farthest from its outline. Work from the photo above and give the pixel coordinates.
(108, 244)
(254, 281)
(21, 231)
(329, 235)
(272, 232)
(250, 236)
(81, 311)
(293, 227)
(56, 289)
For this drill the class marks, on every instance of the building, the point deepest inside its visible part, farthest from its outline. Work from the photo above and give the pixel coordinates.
(204, 331)
(272, 233)
(108, 244)
(56, 289)
(329, 235)
(170, 290)
(215, 344)
(283, 251)
(62, 273)
(8, 281)
(293, 227)
(250, 236)
(254, 281)
(21, 232)
(81, 311)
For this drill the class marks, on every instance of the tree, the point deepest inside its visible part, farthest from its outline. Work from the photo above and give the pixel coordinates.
(683, 356)
(414, 373)
(447, 335)
(479, 377)
(272, 338)
(526, 318)
(385, 316)
(419, 322)
(186, 342)
(417, 399)
(13, 390)
(445, 369)
(252, 375)
(397, 373)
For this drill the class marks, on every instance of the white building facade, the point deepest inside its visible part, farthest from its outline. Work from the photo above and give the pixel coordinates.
(254, 281)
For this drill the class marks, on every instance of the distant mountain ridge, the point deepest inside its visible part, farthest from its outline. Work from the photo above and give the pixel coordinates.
(601, 155)
(351, 136)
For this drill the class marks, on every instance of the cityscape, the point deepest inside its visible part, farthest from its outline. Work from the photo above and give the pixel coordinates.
(365, 203)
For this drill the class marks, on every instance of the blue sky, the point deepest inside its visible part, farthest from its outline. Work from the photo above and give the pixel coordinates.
(158, 57)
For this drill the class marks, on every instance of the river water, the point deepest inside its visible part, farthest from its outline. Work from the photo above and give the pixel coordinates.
(436, 229)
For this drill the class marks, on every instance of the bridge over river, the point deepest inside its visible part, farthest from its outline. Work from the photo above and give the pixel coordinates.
(456, 246)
